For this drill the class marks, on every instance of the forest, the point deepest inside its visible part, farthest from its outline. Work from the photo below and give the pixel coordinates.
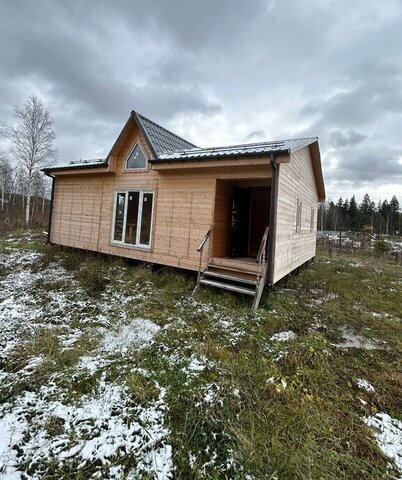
(382, 218)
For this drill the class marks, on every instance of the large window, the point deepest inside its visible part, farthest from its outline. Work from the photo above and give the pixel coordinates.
(136, 159)
(133, 218)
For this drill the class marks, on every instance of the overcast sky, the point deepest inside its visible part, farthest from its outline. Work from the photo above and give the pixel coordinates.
(217, 72)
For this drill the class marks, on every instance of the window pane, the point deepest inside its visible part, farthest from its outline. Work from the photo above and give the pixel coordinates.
(119, 217)
(136, 159)
(132, 217)
(146, 221)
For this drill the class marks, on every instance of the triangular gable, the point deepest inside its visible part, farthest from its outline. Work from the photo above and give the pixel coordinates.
(159, 139)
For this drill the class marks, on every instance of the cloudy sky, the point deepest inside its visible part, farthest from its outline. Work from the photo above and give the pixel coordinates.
(217, 72)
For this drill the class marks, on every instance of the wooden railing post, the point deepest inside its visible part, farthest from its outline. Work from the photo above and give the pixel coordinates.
(200, 249)
(262, 269)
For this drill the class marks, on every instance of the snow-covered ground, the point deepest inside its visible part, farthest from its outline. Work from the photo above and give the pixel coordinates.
(49, 426)
(74, 409)
(77, 396)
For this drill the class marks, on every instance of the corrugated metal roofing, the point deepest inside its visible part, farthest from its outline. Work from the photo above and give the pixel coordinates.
(242, 150)
(77, 164)
(169, 147)
(162, 140)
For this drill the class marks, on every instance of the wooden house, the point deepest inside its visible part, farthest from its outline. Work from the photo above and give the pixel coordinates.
(243, 216)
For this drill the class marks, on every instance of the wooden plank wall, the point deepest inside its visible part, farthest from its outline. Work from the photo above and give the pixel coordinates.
(295, 181)
(183, 206)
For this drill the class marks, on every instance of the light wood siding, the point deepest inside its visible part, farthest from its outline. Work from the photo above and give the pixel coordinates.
(295, 181)
(183, 211)
(184, 204)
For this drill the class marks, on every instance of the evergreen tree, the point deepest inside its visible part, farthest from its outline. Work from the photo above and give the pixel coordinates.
(353, 214)
(394, 208)
(345, 214)
(385, 212)
(338, 215)
(367, 210)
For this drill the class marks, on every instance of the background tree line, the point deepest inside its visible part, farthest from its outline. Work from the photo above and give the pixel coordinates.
(383, 218)
(24, 190)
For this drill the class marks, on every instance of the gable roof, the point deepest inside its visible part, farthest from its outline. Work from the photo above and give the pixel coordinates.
(161, 140)
(284, 147)
(167, 147)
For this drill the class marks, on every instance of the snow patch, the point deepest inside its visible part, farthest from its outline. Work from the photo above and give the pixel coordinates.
(94, 432)
(283, 336)
(138, 333)
(352, 340)
(388, 435)
(364, 385)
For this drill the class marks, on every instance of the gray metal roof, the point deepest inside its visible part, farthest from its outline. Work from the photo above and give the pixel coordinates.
(242, 150)
(78, 164)
(166, 146)
(161, 139)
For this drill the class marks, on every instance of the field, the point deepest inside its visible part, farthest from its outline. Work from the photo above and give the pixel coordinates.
(112, 370)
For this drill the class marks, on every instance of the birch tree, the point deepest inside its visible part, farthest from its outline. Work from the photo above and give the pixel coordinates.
(32, 142)
(6, 174)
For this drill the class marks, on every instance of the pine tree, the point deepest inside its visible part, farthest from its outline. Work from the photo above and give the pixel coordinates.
(353, 214)
(385, 212)
(366, 210)
(394, 208)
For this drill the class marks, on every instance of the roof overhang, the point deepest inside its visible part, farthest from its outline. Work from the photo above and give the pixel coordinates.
(81, 168)
(213, 157)
(226, 162)
(317, 168)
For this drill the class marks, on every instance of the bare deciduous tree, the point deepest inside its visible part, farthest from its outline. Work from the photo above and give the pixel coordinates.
(32, 142)
(3, 130)
(6, 175)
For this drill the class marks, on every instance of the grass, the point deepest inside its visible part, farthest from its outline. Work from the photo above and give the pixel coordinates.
(289, 410)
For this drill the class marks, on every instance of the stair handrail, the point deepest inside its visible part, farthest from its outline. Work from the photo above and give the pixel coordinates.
(204, 240)
(200, 249)
(263, 247)
(262, 269)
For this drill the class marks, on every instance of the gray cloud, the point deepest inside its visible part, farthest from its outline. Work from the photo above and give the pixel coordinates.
(367, 166)
(345, 138)
(255, 136)
(265, 69)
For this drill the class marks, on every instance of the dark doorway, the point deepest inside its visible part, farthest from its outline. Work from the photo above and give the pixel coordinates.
(240, 221)
(250, 217)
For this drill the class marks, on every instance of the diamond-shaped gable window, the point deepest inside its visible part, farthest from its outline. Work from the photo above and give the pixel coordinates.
(136, 159)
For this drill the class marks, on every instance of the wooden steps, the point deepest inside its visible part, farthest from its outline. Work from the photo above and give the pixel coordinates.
(236, 276)
(241, 275)
(231, 275)
(227, 286)
(250, 265)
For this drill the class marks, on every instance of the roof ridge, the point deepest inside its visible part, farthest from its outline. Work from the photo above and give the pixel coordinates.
(163, 128)
(220, 147)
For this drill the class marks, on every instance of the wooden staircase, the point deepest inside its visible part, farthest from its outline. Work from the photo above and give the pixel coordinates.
(245, 276)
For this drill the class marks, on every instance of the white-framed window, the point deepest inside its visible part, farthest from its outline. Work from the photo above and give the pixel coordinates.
(136, 159)
(312, 217)
(299, 209)
(132, 218)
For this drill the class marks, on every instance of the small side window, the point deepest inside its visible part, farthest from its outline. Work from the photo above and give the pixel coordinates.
(136, 159)
(298, 215)
(312, 220)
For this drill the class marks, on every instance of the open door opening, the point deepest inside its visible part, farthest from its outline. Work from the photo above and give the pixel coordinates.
(241, 217)
(250, 215)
